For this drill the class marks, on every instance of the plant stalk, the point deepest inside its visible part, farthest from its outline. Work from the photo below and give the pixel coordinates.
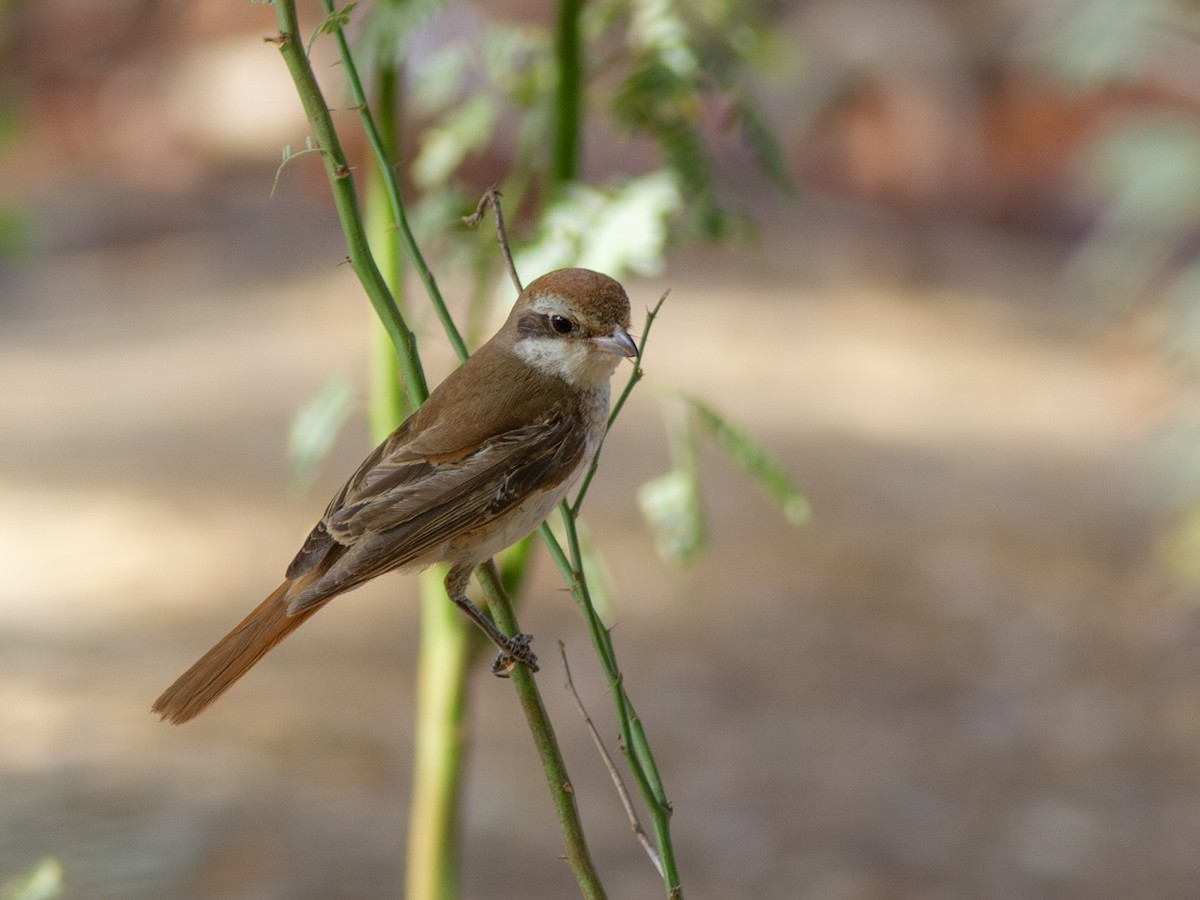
(341, 182)
(563, 795)
(387, 169)
(568, 96)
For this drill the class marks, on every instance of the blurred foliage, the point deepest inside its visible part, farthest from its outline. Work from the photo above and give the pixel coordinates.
(1142, 171)
(490, 88)
(16, 231)
(315, 428)
(1142, 174)
(1088, 42)
(618, 229)
(671, 503)
(43, 882)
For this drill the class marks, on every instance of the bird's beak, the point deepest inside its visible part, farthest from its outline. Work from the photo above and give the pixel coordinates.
(619, 342)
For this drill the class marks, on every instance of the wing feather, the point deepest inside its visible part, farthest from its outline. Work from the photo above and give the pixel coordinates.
(399, 507)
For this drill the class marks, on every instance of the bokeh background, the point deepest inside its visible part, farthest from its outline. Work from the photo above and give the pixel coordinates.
(967, 336)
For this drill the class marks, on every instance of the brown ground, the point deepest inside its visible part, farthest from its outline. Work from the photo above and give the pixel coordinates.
(965, 679)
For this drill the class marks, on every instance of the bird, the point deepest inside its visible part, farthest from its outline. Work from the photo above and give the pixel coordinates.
(478, 466)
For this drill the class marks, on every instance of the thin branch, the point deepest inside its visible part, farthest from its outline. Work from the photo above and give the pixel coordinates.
(633, 736)
(561, 792)
(341, 183)
(491, 197)
(387, 168)
(618, 783)
(634, 378)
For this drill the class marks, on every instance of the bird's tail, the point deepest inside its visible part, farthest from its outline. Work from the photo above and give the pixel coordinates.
(231, 658)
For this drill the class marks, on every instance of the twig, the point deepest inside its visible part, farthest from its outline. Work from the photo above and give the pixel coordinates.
(633, 736)
(642, 765)
(387, 169)
(555, 770)
(492, 197)
(618, 783)
(345, 199)
(634, 378)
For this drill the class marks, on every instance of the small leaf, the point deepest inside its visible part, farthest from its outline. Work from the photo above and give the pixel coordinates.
(315, 427)
(760, 138)
(629, 233)
(458, 134)
(43, 882)
(288, 156)
(754, 460)
(387, 31)
(337, 19)
(441, 77)
(670, 504)
(610, 231)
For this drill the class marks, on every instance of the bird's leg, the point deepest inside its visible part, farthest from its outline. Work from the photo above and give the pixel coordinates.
(513, 649)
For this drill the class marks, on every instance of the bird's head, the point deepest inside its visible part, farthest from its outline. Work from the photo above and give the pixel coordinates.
(573, 323)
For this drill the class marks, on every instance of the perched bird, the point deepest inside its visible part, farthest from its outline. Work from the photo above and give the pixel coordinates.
(495, 447)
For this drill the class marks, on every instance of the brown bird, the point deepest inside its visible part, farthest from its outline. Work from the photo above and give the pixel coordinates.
(495, 447)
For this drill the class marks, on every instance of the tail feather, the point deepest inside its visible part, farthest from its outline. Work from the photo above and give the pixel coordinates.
(231, 658)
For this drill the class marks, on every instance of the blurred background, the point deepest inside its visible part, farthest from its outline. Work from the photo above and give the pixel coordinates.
(955, 297)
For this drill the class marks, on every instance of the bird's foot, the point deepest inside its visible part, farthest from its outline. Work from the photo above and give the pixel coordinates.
(516, 650)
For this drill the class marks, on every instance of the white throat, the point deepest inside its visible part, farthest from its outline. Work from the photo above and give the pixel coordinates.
(579, 363)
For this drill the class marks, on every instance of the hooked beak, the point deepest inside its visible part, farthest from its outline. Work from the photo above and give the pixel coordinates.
(619, 343)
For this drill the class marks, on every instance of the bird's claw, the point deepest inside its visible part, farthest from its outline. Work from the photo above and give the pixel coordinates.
(516, 650)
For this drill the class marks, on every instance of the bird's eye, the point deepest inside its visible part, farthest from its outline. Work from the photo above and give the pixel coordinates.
(561, 324)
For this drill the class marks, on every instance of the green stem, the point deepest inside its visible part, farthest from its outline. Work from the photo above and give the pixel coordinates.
(345, 199)
(439, 744)
(440, 730)
(387, 169)
(386, 403)
(633, 735)
(568, 96)
(561, 792)
(634, 378)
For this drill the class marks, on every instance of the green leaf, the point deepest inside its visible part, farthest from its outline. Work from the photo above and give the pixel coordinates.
(315, 427)
(655, 27)
(615, 231)
(1146, 177)
(43, 882)
(1095, 41)
(670, 504)
(387, 30)
(459, 134)
(288, 156)
(760, 138)
(656, 100)
(339, 18)
(519, 62)
(629, 231)
(753, 459)
(441, 77)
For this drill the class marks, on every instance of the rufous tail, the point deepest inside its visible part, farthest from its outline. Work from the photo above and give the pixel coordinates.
(230, 658)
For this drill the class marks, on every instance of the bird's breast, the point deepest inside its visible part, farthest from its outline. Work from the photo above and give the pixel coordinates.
(525, 515)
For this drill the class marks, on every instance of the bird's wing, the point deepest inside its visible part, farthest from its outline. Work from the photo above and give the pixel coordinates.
(408, 499)
(422, 501)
